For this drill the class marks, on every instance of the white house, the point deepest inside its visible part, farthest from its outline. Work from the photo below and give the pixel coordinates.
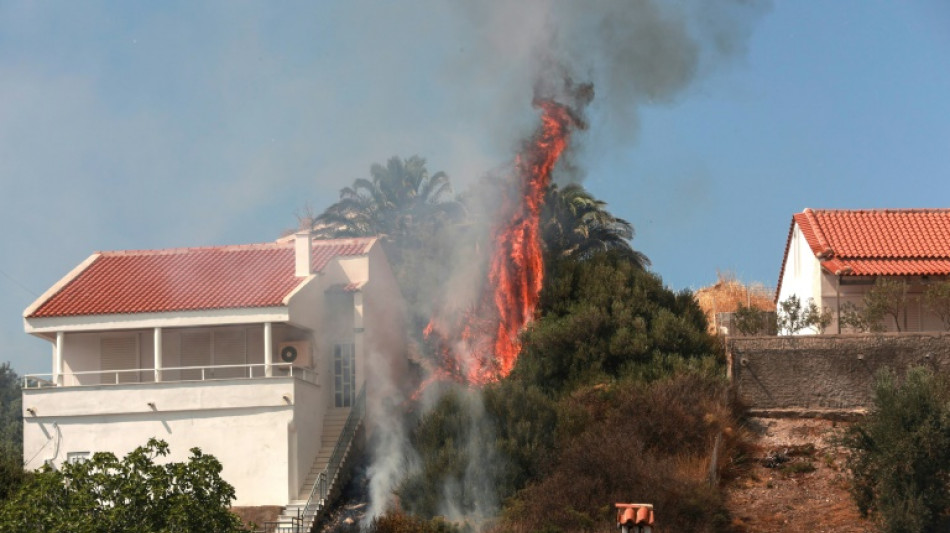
(253, 353)
(835, 256)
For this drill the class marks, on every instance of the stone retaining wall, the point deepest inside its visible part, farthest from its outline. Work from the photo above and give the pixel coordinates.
(825, 372)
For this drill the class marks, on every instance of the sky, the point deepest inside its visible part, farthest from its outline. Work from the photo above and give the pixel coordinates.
(141, 125)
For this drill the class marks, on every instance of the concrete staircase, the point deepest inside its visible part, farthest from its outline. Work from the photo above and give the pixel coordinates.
(333, 425)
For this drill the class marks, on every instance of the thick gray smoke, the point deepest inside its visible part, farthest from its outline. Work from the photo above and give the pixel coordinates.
(634, 53)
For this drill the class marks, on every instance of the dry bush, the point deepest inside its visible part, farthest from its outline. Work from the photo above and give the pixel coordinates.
(399, 522)
(728, 294)
(637, 443)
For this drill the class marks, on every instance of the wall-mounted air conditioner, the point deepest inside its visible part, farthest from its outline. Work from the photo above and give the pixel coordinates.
(296, 352)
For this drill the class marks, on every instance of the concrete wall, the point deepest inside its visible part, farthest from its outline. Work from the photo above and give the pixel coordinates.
(827, 372)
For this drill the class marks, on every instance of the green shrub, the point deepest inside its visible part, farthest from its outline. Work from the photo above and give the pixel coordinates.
(900, 454)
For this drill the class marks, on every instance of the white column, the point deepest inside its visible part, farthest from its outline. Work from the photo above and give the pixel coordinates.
(359, 345)
(58, 359)
(268, 350)
(157, 338)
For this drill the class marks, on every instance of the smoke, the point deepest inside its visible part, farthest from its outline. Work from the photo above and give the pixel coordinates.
(392, 457)
(635, 53)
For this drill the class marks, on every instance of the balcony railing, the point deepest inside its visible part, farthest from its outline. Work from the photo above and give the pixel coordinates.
(175, 374)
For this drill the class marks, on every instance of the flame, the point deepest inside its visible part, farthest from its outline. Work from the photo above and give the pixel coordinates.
(483, 345)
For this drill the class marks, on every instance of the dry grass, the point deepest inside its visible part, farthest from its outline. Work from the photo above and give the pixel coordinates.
(727, 294)
(643, 444)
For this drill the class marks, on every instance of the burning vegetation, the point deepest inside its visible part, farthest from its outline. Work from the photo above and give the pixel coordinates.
(483, 345)
(539, 328)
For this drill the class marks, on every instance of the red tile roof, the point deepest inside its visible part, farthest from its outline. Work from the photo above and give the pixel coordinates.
(634, 514)
(876, 242)
(190, 279)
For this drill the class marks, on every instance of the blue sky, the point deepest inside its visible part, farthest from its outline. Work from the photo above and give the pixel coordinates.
(148, 125)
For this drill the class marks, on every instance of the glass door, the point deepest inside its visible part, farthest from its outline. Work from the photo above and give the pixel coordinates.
(344, 375)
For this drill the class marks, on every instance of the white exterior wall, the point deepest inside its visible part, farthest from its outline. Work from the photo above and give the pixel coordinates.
(802, 275)
(246, 424)
(265, 432)
(310, 409)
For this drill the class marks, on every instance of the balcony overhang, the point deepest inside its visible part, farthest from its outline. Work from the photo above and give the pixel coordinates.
(42, 327)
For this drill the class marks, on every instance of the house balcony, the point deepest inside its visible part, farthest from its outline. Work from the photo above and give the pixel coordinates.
(170, 375)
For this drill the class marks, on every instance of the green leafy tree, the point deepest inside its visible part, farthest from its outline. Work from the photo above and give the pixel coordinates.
(937, 298)
(750, 320)
(11, 415)
(860, 319)
(577, 225)
(11, 431)
(411, 211)
(108, 495)
(606, 317)
(793, 317)
(887, 298)
(398, 198)
(900, 453)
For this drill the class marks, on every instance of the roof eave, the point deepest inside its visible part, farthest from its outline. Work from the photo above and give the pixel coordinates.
(177, 319)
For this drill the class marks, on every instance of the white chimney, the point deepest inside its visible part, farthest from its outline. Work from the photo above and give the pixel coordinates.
(302, 244)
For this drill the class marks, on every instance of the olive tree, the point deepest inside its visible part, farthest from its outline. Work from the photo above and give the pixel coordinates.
(793, 316)
(937, 298)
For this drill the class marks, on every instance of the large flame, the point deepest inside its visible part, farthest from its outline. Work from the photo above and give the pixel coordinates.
(483, 345)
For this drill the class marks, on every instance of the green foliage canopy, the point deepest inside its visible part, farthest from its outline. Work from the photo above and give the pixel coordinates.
(11, 431)
(108, 495)
(606, 317)
(900, 460)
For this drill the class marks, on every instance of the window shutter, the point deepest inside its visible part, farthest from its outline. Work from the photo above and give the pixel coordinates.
(195, 351)
(119, 353)
(229, 349)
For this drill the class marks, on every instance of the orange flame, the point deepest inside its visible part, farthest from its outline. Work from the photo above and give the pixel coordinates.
(484, 347)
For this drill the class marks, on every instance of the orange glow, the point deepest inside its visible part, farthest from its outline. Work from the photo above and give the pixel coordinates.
(484, 347)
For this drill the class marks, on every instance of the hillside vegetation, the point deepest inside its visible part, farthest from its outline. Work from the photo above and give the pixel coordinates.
(618, 394)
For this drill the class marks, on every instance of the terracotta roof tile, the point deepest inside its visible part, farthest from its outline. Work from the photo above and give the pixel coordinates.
(634, 514)
(876, 242)
(189, 279)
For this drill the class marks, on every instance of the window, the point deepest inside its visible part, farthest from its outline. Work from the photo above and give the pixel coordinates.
(77, 457)
(344, 375)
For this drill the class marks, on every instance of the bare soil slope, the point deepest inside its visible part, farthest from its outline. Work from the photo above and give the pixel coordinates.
(797, 481)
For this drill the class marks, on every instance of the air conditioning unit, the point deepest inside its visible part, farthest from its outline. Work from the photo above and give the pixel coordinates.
(295, 352)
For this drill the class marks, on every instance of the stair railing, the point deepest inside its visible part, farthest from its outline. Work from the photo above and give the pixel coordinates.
(324, 482)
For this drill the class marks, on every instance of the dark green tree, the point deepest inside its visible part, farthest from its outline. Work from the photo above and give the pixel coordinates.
(575, 224)
(750, 320)
(11, 431)
(108, 495)
(394, 202)
(605, 318)
(900, 453)
(411, 211)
